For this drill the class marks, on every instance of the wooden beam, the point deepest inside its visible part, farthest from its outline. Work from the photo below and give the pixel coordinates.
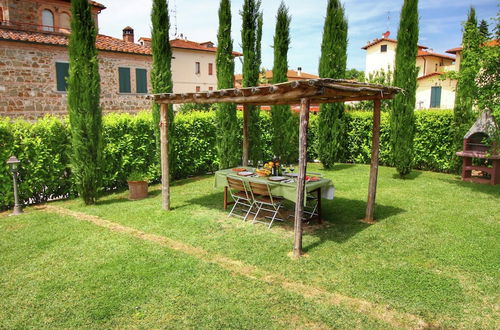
(246, 143)
(372, 187)
(301, 180)
(165, 175)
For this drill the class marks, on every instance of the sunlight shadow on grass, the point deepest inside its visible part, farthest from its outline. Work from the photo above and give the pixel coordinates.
(412, 176)
(474, 187)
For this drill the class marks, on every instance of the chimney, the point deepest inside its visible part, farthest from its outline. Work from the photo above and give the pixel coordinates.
(128, 34)
(299, 71)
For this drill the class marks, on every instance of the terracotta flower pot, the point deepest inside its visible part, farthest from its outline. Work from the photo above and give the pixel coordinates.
(137, 189)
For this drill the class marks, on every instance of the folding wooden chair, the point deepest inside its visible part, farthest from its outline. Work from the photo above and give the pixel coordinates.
(265, 201)
(241, 195)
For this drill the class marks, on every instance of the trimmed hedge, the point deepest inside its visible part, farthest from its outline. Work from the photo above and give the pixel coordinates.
(43, 148)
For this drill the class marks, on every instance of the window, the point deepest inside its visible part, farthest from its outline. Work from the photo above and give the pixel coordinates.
(47, 20)
(383, 48)
(210, 88)
(197, 69)
(210, 69)
(141, 80)
(436, 68)
(64, 21)
(124, 80)
(1, 15)
(198, 89)
(62, 73)
(435, 96)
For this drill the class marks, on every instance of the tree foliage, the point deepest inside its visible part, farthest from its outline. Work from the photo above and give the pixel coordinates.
(251, 36)
(332, 64)
(161, 74)
(405, 77)
(228, 147)
(353, 74)
(85, 113)
(467, 89)
(483, 29)
(285, 138)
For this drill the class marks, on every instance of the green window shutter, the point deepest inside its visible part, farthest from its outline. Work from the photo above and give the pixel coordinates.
(435, 96)
(62, 72)
(124, 80)
(141, 80)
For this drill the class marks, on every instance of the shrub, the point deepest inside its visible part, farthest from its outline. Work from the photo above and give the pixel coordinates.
(129, 146)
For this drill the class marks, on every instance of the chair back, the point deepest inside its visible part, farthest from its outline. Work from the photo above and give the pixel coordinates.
(237, 184)
(261, 189)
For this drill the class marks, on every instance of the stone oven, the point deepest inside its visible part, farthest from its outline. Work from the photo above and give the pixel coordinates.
(480, 160)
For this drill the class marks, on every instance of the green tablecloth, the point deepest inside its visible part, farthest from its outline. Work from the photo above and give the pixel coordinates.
(285, 190)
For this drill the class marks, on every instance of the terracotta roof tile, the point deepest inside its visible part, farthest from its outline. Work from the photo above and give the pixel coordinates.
(427, 53)
(94, 3)
(376, 41)
(490, 43)
(291, 74)
(429, 75)
(103, 42)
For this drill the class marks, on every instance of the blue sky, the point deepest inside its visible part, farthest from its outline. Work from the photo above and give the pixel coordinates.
(440, 24)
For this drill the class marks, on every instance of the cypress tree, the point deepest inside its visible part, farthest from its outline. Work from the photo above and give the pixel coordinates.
(161, 74)
(466, 92)
(405, 76)
(251, 35)
(85, 113)
(483, 29)
(227, 138)
(332, 64)
(284, 144)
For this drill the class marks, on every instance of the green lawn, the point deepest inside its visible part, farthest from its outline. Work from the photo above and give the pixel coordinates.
(432, 257)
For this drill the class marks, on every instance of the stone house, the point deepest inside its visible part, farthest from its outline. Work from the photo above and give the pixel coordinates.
(34, 62)
(432, 90)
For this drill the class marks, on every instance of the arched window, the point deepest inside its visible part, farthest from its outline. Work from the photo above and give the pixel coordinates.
(47, 20)
(64, 21)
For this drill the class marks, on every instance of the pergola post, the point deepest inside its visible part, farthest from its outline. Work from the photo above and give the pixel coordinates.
(299, 205)
(372, 187)
(246, 145)
(165, 175)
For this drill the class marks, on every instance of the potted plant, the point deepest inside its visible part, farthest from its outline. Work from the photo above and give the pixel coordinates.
(137, 185)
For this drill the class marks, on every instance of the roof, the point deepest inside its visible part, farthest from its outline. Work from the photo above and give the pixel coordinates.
(93, 3)
(187, 44)
(291, 74)
(376, 41)
(427, 53)
(432, 74)
(103, 42)
(324, 90)
(490, 43)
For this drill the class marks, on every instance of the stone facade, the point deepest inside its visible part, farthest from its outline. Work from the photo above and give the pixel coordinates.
(28, 80)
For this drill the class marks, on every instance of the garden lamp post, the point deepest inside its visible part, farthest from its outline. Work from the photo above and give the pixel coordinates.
(13, 163)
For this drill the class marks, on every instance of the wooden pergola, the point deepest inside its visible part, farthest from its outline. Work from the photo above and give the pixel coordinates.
(302, 91)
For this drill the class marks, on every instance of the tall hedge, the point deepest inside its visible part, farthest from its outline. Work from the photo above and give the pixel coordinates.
(228, 144)
(251, 35)
(405, 77)
(332, 64)
(161, 73)
(44, 148)
(84, 91)
(285, 131)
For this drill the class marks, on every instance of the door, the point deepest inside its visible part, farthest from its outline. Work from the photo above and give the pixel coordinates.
(435, 96)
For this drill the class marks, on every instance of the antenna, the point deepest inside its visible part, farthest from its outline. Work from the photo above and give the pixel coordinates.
(388, 20)
(173, 13)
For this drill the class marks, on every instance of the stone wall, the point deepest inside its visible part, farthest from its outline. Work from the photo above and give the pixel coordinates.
(28, 80)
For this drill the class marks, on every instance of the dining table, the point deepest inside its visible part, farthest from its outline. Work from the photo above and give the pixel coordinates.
(286, 188)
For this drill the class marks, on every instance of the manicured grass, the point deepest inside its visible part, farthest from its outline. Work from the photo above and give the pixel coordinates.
(433, 254)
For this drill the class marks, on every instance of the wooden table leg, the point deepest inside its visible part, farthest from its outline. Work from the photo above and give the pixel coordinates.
(225, 198)
(320, 218)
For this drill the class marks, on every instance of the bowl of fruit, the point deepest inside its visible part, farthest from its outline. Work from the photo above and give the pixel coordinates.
(263, 172)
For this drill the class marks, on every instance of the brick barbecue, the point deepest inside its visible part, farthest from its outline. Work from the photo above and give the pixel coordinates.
(476, 149)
